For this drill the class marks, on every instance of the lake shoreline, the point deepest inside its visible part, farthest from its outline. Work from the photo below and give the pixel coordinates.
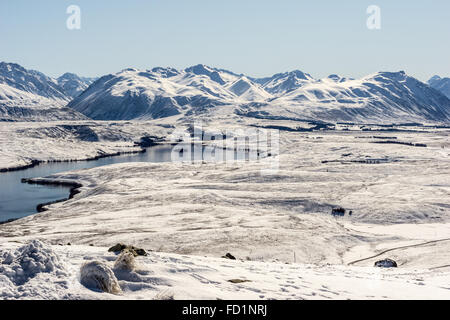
(35, 162)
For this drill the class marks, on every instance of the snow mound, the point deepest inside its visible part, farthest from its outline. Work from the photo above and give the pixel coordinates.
(97, 275)
(125, 261)
(28, 261)
(5, 286)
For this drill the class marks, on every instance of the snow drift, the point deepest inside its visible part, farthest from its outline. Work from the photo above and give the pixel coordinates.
(28, 261)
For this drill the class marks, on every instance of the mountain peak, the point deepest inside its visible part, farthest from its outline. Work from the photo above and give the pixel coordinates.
(166, 72)
(281, 83)
(201, 69)
(334, 77)
(434, 78)
(300, 74)
(392, 75)
(440, 84)
(73, 84)
(387, 76)
(129, 70)
(69, 75)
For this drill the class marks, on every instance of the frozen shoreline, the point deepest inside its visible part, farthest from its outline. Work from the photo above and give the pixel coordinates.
(26, 144)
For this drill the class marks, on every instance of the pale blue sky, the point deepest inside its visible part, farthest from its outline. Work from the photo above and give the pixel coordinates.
(255, 37)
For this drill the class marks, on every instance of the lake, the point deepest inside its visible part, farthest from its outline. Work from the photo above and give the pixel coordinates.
(18, 200)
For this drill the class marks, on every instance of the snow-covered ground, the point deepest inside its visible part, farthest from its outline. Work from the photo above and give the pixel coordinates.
(278, 224)
(173, 276)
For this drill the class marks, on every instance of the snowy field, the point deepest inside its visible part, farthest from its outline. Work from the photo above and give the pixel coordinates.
(278, 225)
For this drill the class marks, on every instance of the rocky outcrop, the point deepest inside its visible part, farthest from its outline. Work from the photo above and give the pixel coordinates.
(386, 263)
(229, 256)
(338, 212)
(120, 247)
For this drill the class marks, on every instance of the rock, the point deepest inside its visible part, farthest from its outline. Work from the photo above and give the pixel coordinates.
(139, 252)
(229, 256)
(149, 141)
(386, 263)
(117, 248)
(238, 281)
(121, 247)
(338, 212)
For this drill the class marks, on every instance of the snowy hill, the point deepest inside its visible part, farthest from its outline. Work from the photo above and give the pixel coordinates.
(441, 84)
(74, 85)
(30, 95)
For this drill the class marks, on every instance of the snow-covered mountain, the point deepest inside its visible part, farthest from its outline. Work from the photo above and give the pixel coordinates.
(381, 97)
(30, 95)
(163, 92)
(441, 84)
(199, 90)
(30, 81)
(74, 85)
(281, 83)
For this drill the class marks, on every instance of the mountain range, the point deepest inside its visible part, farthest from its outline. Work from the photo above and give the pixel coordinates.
(133, 94)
